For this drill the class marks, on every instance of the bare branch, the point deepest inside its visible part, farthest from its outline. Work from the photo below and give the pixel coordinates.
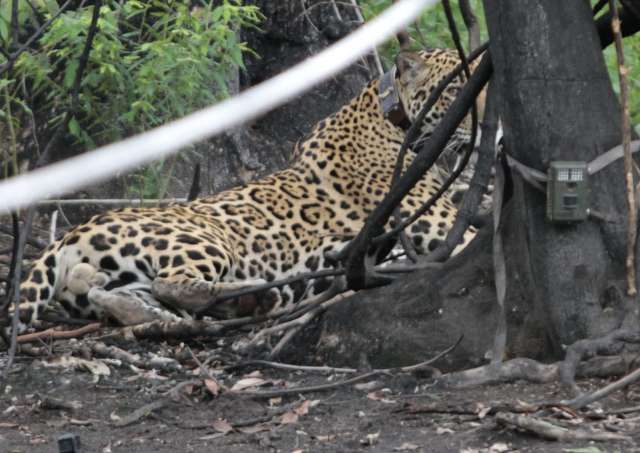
(471, 22)
(632, 220)
(356, 274)
(14, 55)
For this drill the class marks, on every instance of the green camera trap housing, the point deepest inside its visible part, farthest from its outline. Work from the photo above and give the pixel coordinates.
(567, 191)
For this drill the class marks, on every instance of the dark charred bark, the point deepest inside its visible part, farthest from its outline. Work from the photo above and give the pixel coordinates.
(564, 282)
(558, 104)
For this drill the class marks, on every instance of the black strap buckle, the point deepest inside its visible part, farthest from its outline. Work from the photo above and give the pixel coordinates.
(392, 108)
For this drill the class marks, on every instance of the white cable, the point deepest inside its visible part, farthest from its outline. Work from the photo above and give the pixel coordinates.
(104, 162)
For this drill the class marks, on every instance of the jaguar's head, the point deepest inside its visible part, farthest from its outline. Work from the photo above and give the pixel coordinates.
(417, 75)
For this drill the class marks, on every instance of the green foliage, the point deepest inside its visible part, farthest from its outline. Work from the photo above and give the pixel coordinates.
(151, 61)
(430, 30)
(631, 47)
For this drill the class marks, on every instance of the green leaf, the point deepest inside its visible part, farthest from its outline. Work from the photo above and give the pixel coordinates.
(74, 127)
(70, 73)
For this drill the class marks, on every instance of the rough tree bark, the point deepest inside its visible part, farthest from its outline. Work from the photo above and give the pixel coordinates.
(292, 30)
(564, 282)
(558, 104)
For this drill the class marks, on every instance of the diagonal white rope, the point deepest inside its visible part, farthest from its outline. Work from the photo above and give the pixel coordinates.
(106, 161)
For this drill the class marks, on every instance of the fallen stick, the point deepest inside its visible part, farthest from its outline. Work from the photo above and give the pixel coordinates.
(587, 399)
(52, 334)
(362, 377)
(52, 403)
(140, 413)
(311, 388)
(286, 366)
(554, 432)
(469, 408)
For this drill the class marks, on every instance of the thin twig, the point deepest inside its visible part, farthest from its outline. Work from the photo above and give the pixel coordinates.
(50, 334)
(14, 55)
(289, 367)
(311, 388)
(15, 297)
(353, 380)
(471, 22)
(376, 55)
(110, 201)
(421, 365)
(585, 400)
(140, 413)
(203, 369)
(632, 220)
(53, 226)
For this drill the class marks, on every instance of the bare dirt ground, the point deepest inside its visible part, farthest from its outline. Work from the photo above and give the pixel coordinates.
(107, 404)
(167, 397)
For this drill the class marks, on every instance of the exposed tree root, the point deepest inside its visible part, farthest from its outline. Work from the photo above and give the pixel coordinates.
(531, 371)
(139, 414)
(585, 400)
(609, 344)
(554, 432)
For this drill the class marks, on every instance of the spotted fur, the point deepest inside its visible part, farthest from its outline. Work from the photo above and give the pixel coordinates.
(185, 255)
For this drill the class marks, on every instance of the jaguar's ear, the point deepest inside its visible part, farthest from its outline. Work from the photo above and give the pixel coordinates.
(406, 61)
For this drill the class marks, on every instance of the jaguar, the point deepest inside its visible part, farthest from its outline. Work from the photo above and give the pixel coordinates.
(139, 264)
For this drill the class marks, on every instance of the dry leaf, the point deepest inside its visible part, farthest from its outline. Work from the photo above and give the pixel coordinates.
(378, 395)
(483, 411)
(37, 441)
(440, 430)
(407, 446)
(289, 418)
(303, 409)
(275, 401)
(95, 367)
(222, 426)
(255, 373)
(8, 425)
(246, 383)
(75, 421)
(366, 386)
(499, 447)
(371, 439)
(328, 438)
(212, 386)
(254, 429)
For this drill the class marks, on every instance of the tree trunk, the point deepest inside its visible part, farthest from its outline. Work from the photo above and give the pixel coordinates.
(564, 282)
(558, 104)
(287, 35)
